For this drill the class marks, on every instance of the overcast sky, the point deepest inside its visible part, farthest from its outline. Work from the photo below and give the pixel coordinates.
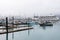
(29, 7)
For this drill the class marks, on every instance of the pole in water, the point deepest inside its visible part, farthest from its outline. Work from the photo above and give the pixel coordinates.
(28, 29)
(13, 28)
(6, 28)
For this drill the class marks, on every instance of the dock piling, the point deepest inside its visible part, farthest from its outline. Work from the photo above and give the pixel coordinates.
(6, 28)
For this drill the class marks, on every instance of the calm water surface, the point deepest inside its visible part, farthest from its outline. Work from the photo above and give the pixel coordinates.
(38, 33)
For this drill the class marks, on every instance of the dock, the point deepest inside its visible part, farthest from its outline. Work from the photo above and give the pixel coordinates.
(16, 30)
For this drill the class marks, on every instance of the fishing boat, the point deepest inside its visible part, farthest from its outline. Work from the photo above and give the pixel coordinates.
(46, 24)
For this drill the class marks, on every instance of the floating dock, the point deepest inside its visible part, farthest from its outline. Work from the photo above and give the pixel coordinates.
(15, 30)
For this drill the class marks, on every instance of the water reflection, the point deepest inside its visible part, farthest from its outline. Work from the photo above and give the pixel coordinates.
(38, 33)
(13, 36)
(44, 27)
(6, 36)
(28, 32)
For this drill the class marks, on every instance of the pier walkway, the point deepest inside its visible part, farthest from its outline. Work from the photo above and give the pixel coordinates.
(15, 30)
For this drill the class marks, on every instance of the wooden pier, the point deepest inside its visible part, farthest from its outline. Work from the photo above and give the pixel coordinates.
(15, 30)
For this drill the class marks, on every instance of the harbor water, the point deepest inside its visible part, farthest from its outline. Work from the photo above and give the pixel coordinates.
(37, 33)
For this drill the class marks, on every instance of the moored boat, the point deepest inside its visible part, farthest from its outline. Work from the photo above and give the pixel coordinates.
(46, 24)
